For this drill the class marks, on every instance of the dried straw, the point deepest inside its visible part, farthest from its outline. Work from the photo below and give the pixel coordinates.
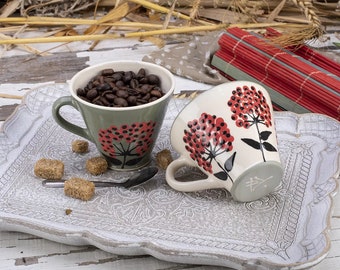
(194, 9)
(162, 9)
(255, 14)
(311, 31)
(23, 46)
(2, 95)
(182, 30)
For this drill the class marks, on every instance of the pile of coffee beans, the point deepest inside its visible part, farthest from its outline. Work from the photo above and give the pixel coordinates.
(121, 88)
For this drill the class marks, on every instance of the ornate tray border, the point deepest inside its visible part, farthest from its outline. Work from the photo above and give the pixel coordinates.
(314, 240)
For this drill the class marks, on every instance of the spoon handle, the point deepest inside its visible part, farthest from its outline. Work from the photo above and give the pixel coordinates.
(138, 178)
(61, 183)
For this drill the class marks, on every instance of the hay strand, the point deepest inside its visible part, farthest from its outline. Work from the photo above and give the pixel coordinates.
(143, 18)
(3, 95)
(162, 9)
(95, 37)
(194, 9)
(298, 37)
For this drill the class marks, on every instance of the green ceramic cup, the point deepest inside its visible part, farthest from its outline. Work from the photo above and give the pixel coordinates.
(125, 136)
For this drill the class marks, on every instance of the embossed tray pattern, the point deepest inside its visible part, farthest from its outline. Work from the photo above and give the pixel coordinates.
(287, 229)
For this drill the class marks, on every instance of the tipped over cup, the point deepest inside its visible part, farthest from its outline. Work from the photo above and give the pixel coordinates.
(228, 132)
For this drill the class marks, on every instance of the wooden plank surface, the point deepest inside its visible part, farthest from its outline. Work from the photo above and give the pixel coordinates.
(32, 69)
(57, 67)
(20, 73)
(7, 110)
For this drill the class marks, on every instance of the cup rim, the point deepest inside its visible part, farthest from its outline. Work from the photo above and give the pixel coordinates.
(129, 108)
(209, 92)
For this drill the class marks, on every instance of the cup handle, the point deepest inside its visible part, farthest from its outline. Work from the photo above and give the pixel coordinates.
(63, 101)
(189, 186)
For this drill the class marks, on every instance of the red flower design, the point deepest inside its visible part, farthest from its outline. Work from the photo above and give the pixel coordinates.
(207, 137)
(249, 107)
(137, 136)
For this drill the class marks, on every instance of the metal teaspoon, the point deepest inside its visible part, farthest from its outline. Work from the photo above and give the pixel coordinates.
(138, 178)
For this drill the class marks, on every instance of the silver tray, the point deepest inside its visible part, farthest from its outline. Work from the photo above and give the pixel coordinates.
(288, 229)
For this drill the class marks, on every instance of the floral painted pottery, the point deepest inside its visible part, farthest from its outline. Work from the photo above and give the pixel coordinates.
(228, 133)
(125, 136)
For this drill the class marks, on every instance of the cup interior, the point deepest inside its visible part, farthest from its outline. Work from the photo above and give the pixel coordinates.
(81, 79)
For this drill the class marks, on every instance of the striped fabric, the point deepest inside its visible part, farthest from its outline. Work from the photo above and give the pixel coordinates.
(299, 80)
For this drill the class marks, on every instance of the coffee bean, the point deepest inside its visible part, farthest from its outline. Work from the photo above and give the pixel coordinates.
(122, 94)
(143, 80)
(81, 92)
(105, 101)
(141, 73)
(132, 100)
(156, 93)
(107, 72)
(153, 79)
(117, 76)
(84, 98)
(153, 98)
(145, 88)
(132, 92)
(134, 83)
(101, 79)
(108, 80)
(121, 88)
(146, 97)
(112, 84)
(121, 102)
(106, 92)
(89, 86)
(120, 83)
(95, 82)
(141, 101)
(103, 87)
(92, 94)
(128, 76)
(97, 101)
(110, 97)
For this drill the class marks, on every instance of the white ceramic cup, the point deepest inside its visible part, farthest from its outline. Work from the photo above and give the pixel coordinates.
(228, 133)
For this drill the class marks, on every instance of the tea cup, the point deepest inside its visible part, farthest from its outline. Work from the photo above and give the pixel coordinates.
(228, 132)
(124, 136)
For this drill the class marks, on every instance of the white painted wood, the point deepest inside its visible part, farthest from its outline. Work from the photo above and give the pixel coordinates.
(24, 251)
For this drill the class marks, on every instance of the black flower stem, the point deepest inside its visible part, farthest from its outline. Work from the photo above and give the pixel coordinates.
(219, 165)
(125, 154)
(260, 140)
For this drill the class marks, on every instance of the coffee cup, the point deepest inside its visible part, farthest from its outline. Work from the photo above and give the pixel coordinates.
(125, 135)
(228, 132)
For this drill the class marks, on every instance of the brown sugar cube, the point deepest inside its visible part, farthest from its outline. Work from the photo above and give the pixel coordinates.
(79, 188)
(80, 146)
(164, 158)
(96, 165)
(49, 169)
